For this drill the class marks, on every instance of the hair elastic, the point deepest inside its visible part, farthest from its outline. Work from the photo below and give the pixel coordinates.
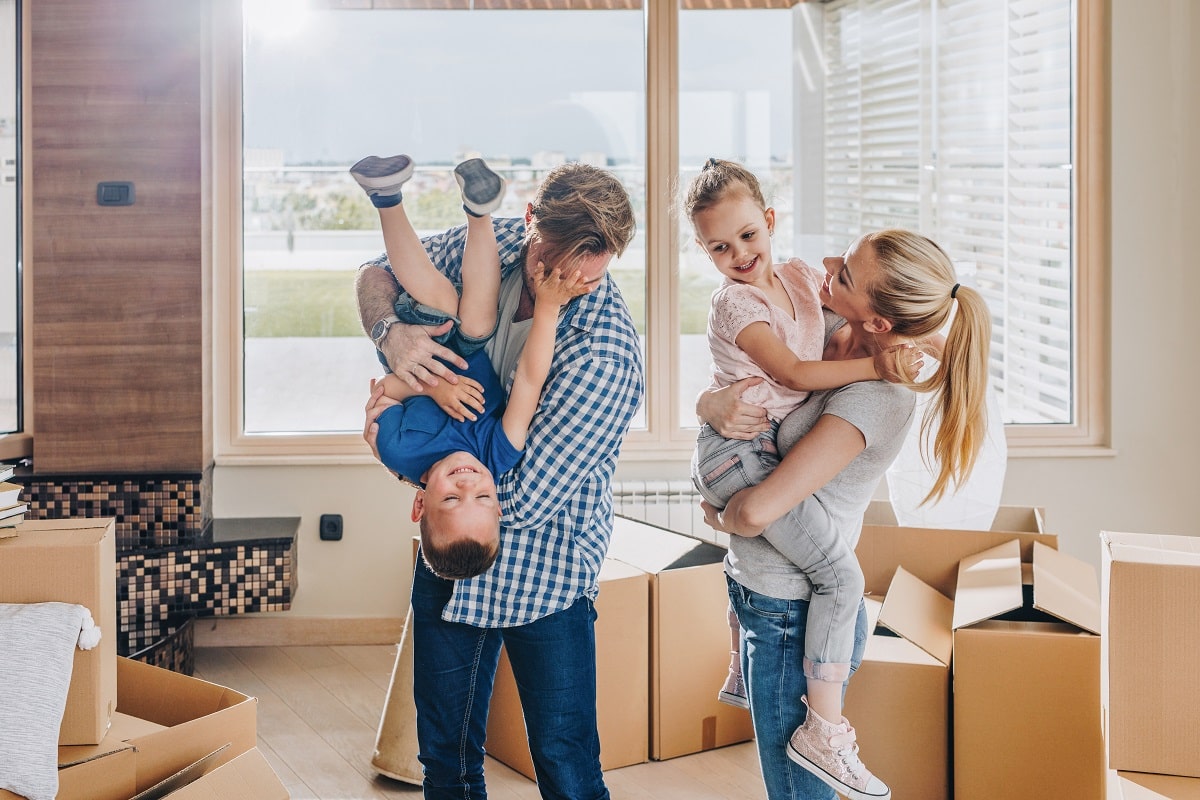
(710, 164)
(954, 291)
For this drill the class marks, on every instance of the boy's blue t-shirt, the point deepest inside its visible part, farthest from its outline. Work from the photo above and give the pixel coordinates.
(417, 433)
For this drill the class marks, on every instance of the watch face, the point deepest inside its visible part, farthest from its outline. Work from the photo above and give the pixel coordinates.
(378, 330)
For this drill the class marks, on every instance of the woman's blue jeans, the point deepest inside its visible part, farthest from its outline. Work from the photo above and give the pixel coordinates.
(554, 662)
(772, 654)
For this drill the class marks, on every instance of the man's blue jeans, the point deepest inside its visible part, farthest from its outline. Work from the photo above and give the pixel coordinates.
(554, 662)
(772, 655)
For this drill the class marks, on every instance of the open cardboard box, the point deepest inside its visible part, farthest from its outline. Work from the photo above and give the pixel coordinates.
(1152, 593)
(72, 561)
(1027, 676)
(165, 723)
(622, 679)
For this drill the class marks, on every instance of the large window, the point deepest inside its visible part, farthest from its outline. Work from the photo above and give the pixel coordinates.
(959, 118)
(11, 361)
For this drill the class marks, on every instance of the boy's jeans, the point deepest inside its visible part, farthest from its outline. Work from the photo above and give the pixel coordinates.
(554, 662)
(772, 632)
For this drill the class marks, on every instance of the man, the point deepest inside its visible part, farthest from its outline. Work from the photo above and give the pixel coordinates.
(556, 503)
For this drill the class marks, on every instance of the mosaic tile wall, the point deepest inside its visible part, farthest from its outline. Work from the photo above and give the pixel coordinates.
(170, 645)
(160, 511)
(223, 580)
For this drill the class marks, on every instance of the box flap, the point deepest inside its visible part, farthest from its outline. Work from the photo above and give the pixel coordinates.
(8, 531)
(247, 777)
(919, 613)
(70, 524)
(1066, 587)
(653, 549)
(183, 777)
(989, 584)
(1152, 548)
(1145, 786)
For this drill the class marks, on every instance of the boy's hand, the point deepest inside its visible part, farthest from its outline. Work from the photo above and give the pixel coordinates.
(899, 364)
(557, 289)
(460, 400)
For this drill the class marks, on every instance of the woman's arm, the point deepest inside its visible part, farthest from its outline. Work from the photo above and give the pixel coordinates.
(819, 455)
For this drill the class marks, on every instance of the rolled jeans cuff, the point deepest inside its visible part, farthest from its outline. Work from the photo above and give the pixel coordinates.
(832, 672)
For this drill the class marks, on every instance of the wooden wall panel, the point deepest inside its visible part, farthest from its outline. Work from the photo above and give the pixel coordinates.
(121, 319)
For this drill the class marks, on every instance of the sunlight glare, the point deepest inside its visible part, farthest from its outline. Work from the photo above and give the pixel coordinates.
(268, 20)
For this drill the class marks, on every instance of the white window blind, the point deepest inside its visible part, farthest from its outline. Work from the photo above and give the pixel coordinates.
(953, 118)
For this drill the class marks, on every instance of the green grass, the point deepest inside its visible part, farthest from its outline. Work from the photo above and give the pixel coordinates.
(321, 303)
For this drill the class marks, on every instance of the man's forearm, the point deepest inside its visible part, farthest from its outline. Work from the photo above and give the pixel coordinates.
(377, 291)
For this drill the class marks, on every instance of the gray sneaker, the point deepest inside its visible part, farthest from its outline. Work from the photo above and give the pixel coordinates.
(482, 189)
(831, 753)
(382, 178)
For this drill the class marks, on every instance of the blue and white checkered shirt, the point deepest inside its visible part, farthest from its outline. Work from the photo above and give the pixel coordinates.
(557, 501)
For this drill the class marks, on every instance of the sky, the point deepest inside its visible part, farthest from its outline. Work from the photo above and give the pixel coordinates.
(338, 85)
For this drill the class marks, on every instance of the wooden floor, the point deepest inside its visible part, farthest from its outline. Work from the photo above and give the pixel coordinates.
(318, 708)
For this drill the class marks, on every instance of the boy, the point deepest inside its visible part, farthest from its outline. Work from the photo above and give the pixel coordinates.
(453, 453)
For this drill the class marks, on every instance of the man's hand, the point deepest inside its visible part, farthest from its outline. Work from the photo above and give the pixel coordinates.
(460, 400)
(413, 355)
(377, 403)
(724, 410)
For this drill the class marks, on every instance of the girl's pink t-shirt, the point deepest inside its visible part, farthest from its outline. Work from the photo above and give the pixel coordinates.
(736, 305)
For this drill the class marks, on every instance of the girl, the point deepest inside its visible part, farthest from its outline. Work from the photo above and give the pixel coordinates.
(765, 321)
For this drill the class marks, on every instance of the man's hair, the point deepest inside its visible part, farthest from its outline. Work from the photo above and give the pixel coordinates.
(459, 558)
(581, 210)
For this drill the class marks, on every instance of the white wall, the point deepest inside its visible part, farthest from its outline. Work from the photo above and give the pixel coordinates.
(1146, 486)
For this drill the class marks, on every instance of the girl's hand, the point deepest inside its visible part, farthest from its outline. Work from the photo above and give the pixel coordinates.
(899, 364)
(462, 400)
(557, 288)
(724, 410)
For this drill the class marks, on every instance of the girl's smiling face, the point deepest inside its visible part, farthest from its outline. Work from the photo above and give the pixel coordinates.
(736, 234)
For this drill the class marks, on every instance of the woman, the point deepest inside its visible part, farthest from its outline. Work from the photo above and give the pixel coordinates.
(889, 288)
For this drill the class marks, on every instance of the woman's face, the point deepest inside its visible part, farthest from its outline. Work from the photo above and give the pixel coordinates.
(847, 277)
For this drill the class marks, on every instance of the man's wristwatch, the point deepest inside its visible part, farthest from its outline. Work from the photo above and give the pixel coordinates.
(379, 329)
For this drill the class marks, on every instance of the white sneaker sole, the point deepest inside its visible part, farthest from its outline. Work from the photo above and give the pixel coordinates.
(736, 700)
(831, 781)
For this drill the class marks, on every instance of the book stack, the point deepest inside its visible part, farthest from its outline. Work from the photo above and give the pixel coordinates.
(12, 510)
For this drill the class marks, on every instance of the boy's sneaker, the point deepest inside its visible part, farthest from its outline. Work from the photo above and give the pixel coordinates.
(831, 753)
(733, 693)
(482, 189)
(382, 178)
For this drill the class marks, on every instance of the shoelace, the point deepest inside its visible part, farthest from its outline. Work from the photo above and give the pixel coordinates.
(846, 746)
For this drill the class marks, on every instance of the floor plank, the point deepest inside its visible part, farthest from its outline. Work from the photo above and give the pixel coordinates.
(319, 708)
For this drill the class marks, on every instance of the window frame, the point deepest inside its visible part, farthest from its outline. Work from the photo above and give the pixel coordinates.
(667, 437)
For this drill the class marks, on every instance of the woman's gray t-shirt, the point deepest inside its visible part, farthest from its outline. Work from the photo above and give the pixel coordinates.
(883, 413)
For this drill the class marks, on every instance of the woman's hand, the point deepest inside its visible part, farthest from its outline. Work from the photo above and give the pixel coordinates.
(413, 355)
(724, 410)
(727, 520)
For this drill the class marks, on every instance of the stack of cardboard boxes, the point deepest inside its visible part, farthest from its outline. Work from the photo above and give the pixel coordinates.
(1152, 665)
(130, 729)
(981, 677)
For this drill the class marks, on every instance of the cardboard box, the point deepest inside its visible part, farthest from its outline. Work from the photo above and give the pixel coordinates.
(1142, 786)
(901, 692)
(622, 679)
(165, 722)
(1152, 593)
(689, 638)
(1027, 677)
(246, 777)
(72, 561)
(932, 554)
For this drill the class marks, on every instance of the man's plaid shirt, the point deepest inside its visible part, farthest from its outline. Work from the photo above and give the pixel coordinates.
(557, 501)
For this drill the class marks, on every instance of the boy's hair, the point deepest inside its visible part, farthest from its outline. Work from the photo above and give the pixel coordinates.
(581, 210)
(716, 180)
(460, 558)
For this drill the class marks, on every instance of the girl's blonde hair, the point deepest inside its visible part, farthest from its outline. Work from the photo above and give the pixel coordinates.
(717, 180)
(916, 290)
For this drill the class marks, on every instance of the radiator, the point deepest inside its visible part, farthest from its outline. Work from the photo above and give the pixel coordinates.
(674, 505)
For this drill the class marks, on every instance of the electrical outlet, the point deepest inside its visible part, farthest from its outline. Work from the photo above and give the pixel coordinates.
(331, 527)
